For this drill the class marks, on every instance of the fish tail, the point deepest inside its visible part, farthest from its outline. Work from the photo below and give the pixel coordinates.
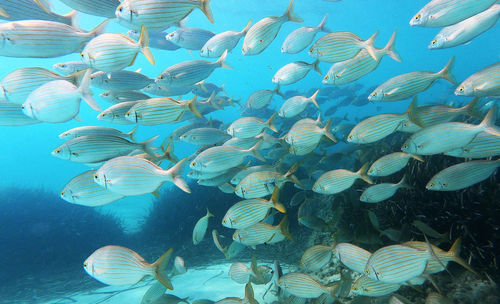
(472, 108)
(489, 120)
(369, 45)
(143, 43)
(316, 67)
(328, 131)
(85, 92)
(249, 294)
(446, 71)
(277, 91)
(209, 214)
(73, 18)
(283, 225)
(132, 133)
(418, 157)
(247, 27)
(271, 124)
(192, 107)
(148, 145)
(3, 13)
(175, 174)
(322, 26)
(362, 174)
(222, 61)
(455, 253)
(403, 183)
(412, 113)
(205, 8)
(254, 270)
(289, 175)
(256, 151)
(389, 48)
(100, 29)
(160, 267)
(275, 199)
(290, 15)
(333, 289)
(313, 99)
(215, 237)
(169, 153)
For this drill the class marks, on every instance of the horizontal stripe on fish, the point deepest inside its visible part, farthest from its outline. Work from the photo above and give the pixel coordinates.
(340, 46)
(119, 80)
(352, 256)
(221, 158)
(240, 175)
(97, 130)
(116, 113)
(247, 127)
(376, 128)
(304, 286)
(189, 38)
(70, 67)
(316, 257)
(296, 105)
(261, 98)
(204, 136)
(262, 233)
(426, 116)
(306, 133)
(336, 181)
(156, 111)
(391, 163)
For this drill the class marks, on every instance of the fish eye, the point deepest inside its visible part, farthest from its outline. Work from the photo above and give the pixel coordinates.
(374, 94)
(405, 146)
(120, 8)
(58, 151)
(81, 55)
(445, 184)
(73, 153)
(417, 17)
(95, 176)
(62, 193)
(193, 164)
(62, 65)
(461, 89)
(327, 77)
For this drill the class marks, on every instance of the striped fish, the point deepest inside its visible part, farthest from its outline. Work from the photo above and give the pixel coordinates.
(156, 40)
(248, 299)
(82, 190)
(200, 228)
(262, 183)
(262, 233)
(436, 298)
(295, 105)
(466, 30)
(122, 96)
(32, 10)
(156, 111)
(246, 213)
(97, 130)
(70, 67)
(336, 181)
(219, 179)
(247, 127)
(316, 257)
(43, 39)
(300, 38)
(101, 8)
(119, 80)
(362, 64)
(154, 293)
(221, 158)
(190, 72)
(261, 98)
(364, 286)
(129, 175)
(92, 149)
(269, 141)
(391, 163)
(158, 15)
(240, 175)
(485, 82)
(305, 135)
(155, 89)
(295, 71)
(204, 136)
(240, 273)
(59, 100)
(262, 33)
(396, 264)
(116, 113)
(427, 116)
(112, 52)
(117, 265)
(228, 40)
(381, 192)
(410, 84)
(189, 38)
(449, 135)
(340, 46)
(205, 175)
(462, 175)
(483, 145)
(11, 114)
(304, 286)
(440, 13)
(352, 256)
(16, 86)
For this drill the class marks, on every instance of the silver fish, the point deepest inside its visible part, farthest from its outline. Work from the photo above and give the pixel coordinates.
(119, 80)
(11, 114)
(200, 228)
(261, 98)
(204, 136)
(295, 71)
(381, 192)
(116, 113)
(304, 286)
(485, 82)
(300, 38)
(189, 38)
(33, 10)
(123, 96)
(228, 40)
(156, 40)
(340, 46)
(296, 105)
(70, 67)
(102, 8)
(97, 130)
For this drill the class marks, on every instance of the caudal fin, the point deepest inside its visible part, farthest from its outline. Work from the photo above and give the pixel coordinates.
(316, 67)
(205, 8)
(249, 294)
(283, 225)
(100, 29)
(322, 26)
(160, 266)
(369, 45)
(289, 175)
(192, 107)
(362, 174)
(144, 42)
(313, 99)
(86, 94)
(132, 133)
(256, 151)
(270, 123)
(290, 15)
(446, 71)
(222, 61)
(455, 252)
(3, 13)
(72, 18)
(275, 199)
(247, 27)
(328, 131)
(413, 114)
(488, 122)
(277, 91)
(147, 145)
(472, 108)
(175, 175)
(389, 48)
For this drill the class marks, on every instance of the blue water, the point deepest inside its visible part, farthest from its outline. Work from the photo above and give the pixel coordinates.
(28, 166)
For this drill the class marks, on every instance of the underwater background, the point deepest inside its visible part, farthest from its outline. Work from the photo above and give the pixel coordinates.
(45, 239)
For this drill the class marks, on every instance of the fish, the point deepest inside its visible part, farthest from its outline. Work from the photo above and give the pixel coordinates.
(352, 256)
(95, 148)
(129, 175)
(219, 179)
(396, 264)
(116, 113)
(462, 175)
(111, 52)
(426, 116)
(158, 90)
(261, 183)
(262, 33)
(248, 299)
(410, 84)
(97, 130)
(300, 38)
(296, 105)
(340, 46)
(485, 82)
(158, 15)
(201, 228)
(59, 100)
(190, 72)
(261, 98)
(227, 40)
(247, 127)
(240, 273)
(295, 71)
(205, 89)
(119, 80)
(316, 257)
(305, 135)
(189, 38)
(221, 158)
(483, 145)
(440, 13)
(156, 40)
(13, 10)
(464, 31)
(335, 181)
(382, 192)
(316, 223)
(154, 293)
(304, 286)
(101, 8)
(82, 190)
(11, 114)
(157, 111)
(350, 70)
(263, 233)
(240, 175)
(179, 266)
(122, 96)
(391, 163)
(364, 286)
(205, 136)
(43, 39)
(448, 136)
(436, 298)
(117, 265)
(70, 67)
